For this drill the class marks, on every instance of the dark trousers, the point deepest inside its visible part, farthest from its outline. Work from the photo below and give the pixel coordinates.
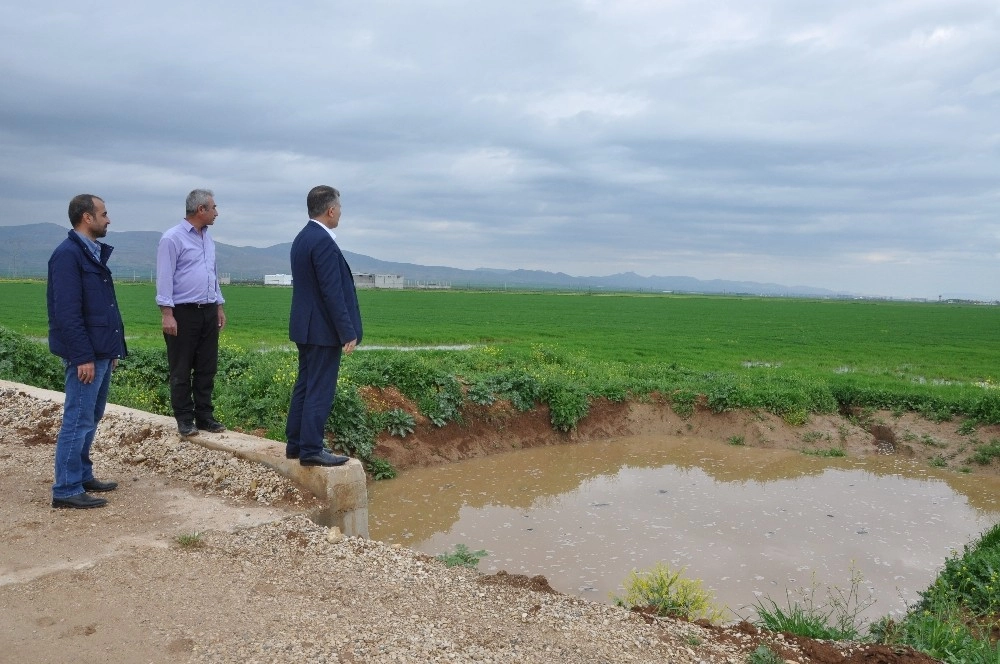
(312, 398)
(193, 359)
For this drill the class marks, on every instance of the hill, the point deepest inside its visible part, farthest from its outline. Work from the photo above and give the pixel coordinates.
(25, 250)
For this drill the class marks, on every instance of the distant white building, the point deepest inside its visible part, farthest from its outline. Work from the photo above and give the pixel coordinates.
(361, 280)
(365, 280)
(277, 280)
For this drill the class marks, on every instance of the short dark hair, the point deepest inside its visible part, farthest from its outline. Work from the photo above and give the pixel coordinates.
(81, 205)
(320, 199)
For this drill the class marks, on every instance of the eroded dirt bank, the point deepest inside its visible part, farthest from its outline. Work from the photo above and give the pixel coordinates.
(498, 428)
(266, 584)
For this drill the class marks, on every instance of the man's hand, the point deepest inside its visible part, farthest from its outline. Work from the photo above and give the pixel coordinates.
(350, 346)
(169, 323)
(222, 317)
(85, 372)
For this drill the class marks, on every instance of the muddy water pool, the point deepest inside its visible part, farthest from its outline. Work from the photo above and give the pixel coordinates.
(749, 523)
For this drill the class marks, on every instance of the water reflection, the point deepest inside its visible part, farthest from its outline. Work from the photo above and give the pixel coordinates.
(748, 522)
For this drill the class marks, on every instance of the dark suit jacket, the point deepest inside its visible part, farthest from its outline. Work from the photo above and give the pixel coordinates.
(325, 308)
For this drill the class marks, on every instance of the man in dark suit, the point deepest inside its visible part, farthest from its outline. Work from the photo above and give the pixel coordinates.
(325, 322)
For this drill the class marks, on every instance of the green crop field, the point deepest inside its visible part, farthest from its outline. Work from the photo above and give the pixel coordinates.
(921, 341)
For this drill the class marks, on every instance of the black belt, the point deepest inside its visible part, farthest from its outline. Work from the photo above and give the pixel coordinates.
(195, 305)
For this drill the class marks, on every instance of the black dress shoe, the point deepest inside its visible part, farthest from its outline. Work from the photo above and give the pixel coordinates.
(81, 501)
(324, 458)
(97, 485)
(291, 455)
(186, 428)
(212, 426)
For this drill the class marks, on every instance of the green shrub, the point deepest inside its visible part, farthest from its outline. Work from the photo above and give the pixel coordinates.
(683, 401)
(941, 630)
(29, 362)
(764, 655)
(971, 580)
(462, 557)
(398, 422)
(253, 389)
(380, 468)
(985, 454)
(350, 422)
(140, 382)
(568, 403)
(669, 594)
(443, 403)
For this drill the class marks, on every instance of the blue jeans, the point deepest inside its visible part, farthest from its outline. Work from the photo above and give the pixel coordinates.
(82, 410)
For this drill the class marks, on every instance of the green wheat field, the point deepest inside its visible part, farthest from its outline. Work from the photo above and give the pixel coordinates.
(936, 343)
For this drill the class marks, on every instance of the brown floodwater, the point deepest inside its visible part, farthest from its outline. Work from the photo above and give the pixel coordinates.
(750, 523)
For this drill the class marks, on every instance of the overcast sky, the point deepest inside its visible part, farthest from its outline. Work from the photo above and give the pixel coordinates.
(852, 145)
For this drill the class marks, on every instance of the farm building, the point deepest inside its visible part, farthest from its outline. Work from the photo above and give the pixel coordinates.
(277, 280)
(367, 280)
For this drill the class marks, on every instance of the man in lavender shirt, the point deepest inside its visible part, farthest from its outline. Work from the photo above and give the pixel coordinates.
(190, 301)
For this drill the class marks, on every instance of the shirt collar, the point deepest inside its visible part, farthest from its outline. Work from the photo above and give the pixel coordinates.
(94, 247)
(324, 227)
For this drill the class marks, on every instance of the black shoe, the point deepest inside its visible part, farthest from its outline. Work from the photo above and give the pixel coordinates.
(324, 458)
(186, 429)
(212, 426)
(81, 501)
(99, 486)
(291, 455)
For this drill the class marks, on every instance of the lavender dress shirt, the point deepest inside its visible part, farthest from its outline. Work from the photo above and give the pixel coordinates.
(185, 267)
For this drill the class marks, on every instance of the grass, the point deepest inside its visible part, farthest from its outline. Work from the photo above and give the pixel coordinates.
(814, 436)
(957, 615)
(830, 452)
(835, 619)
(955, 620)
(926, 344)
(189, 540)
(984, 454)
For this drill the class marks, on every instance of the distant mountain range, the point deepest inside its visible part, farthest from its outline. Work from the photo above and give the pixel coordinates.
(25, 251)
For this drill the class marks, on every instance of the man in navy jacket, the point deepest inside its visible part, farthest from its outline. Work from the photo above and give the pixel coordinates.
(87, 332)
(325, 321)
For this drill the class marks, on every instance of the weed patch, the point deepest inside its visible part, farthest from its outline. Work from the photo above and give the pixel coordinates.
(462, 557)
(668, 593)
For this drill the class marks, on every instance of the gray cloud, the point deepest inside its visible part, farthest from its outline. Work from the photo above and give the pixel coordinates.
(848, 145)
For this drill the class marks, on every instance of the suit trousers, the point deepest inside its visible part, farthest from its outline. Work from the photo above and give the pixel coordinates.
(193, 360)
(312, 398)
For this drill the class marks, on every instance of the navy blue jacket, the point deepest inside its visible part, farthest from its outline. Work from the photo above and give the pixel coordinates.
(85, 323)
(325, 308)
